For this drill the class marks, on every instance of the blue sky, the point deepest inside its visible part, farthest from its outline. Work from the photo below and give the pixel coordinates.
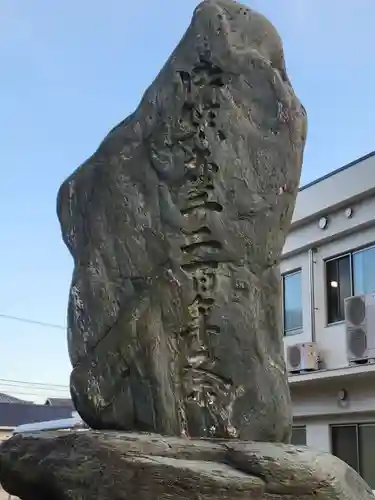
(71, 71)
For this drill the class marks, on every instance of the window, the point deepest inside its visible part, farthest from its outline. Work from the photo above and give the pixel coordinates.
(339, 287)
(355, 444)
(364, 271)
(350, 274)
(298, 436)
(292, 299)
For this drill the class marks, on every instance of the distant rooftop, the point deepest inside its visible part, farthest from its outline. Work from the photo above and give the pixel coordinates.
(338, 170)
(14, 414)
(6, 398)
(66, 402)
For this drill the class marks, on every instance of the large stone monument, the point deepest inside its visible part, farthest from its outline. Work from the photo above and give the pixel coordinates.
(176, 225)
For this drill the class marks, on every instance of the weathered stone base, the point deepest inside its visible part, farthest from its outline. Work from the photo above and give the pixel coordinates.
(110, 465)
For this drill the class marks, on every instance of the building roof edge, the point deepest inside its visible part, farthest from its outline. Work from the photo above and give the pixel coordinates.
(337, 171)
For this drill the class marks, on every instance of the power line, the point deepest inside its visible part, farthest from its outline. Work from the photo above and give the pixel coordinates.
(33, 389)
(36, 394)
(32, 384)
(32, 321)
(10, 387)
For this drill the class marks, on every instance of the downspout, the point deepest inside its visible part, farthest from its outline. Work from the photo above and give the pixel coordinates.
(312, 252)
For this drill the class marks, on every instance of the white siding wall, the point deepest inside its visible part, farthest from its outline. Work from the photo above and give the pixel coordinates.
(343, 185)
(316, 407)
(341, 235)
(320, 400)
(330, 338)
(318, 436)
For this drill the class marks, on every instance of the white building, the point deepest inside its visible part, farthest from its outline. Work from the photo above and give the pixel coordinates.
(329, 255)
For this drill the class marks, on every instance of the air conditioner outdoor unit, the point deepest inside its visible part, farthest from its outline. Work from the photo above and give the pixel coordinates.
(360, 327)
(302, 357)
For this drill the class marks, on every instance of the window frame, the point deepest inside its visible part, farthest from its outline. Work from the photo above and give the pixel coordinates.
(349, 254)
(357, 251)
(333, 259)
(300, 428)
(294, 331)
(357, 426)
(341, 425)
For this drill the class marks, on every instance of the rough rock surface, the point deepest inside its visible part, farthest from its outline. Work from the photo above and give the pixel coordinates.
(176, 225)
(109, 465)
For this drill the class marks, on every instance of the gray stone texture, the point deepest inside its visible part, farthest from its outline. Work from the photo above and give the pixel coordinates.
(176, 225)
(109, 465)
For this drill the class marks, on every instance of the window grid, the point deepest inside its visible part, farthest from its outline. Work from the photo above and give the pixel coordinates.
(298, 329)
(298, 435)
(350, 256)
(360, 467)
